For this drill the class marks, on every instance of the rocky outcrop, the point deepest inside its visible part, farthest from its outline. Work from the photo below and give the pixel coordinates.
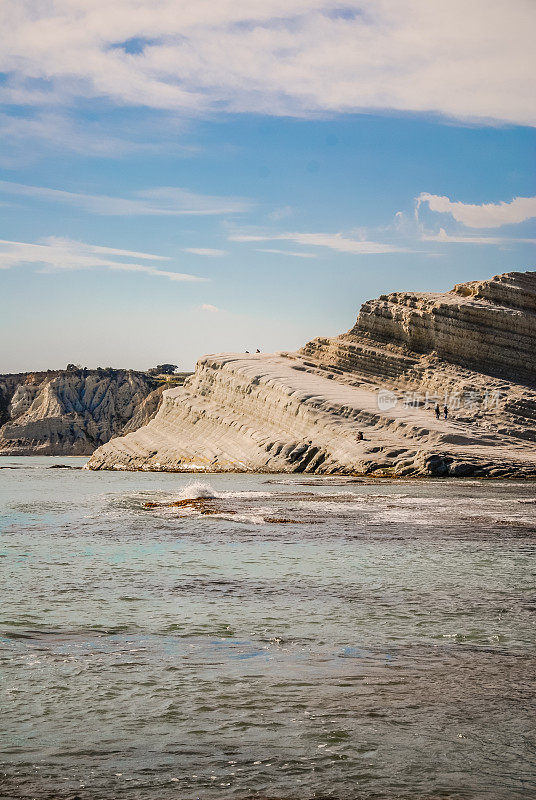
(363, 402)
(72, 412)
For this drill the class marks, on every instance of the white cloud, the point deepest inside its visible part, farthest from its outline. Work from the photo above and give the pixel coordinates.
(286, 252)
(486, 215)
(204, 251)
(333, 241)
(56, 254)
(446, 238)
(52, 131)
(467, 60)
(30, 136)
(114, 251)
(210, 308)
(160, 201)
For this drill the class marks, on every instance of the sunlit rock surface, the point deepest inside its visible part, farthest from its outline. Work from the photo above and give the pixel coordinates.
(306, 411)
(72, 412)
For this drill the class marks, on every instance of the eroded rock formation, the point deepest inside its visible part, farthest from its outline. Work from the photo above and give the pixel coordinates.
(72, 412)
(473, 346)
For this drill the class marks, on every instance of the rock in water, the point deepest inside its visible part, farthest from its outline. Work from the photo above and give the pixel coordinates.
(301, 412)
(71, 412)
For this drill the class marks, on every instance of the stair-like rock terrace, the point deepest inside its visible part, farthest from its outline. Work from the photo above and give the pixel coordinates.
(322, 409)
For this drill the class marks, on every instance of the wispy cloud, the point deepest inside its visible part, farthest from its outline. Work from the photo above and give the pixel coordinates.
(55, 131)
(333, 241)
(210, 308)
(286, 252)
(204, 251)
(34, 131)
(56, 254)
(159, 201)
(485, 215)
(442, 237)
(464, 60)
(406, 233)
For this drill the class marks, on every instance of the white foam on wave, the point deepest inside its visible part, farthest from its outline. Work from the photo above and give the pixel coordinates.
(245, 495)
(197, 490)
(249, 519)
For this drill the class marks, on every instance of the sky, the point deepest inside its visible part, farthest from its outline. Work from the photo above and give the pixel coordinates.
(184, 178)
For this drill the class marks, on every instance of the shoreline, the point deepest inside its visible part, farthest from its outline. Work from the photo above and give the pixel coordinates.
(350, 476)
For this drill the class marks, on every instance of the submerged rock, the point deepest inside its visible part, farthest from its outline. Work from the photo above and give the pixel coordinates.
(472, 347)
(203, 505)
(206, 506)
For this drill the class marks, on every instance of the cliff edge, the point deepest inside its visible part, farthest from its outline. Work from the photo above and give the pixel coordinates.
(364, 402)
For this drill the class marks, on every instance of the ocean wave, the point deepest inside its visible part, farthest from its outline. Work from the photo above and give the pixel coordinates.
(197, 490)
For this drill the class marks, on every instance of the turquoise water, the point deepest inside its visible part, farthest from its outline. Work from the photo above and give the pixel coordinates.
(378, 645)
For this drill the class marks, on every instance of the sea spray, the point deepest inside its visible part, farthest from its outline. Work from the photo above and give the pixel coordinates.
(197, 490)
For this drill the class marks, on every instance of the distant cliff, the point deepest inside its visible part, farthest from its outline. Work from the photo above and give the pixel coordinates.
(364, 402)
(71, 412)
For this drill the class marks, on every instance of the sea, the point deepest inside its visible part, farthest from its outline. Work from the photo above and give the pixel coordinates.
(283, 637)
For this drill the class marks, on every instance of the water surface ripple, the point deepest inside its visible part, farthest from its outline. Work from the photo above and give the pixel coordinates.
(282, 638)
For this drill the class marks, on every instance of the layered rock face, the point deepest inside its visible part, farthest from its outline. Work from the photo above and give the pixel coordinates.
(72, 412)
(487, 326)
(363, 402)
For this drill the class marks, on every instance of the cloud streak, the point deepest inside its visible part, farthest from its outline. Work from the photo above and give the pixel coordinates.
(57, 254)
(299, 57)
(286, 252)
(442, 237)
(159, 201)
(332, 241)
(486, 215)
(211, 252)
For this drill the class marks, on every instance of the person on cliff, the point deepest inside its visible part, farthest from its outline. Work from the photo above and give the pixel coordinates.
(446, 411)
(437, 411)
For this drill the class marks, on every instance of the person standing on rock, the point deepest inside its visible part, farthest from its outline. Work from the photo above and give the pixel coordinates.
(437, 411)
(446, 411)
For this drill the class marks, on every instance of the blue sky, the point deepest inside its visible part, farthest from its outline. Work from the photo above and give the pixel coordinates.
(176, 181)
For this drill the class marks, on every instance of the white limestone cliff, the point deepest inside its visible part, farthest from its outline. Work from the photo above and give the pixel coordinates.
(72, 412)
(306, 411)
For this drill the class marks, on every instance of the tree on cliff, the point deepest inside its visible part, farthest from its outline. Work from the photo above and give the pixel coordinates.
(163, 369)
